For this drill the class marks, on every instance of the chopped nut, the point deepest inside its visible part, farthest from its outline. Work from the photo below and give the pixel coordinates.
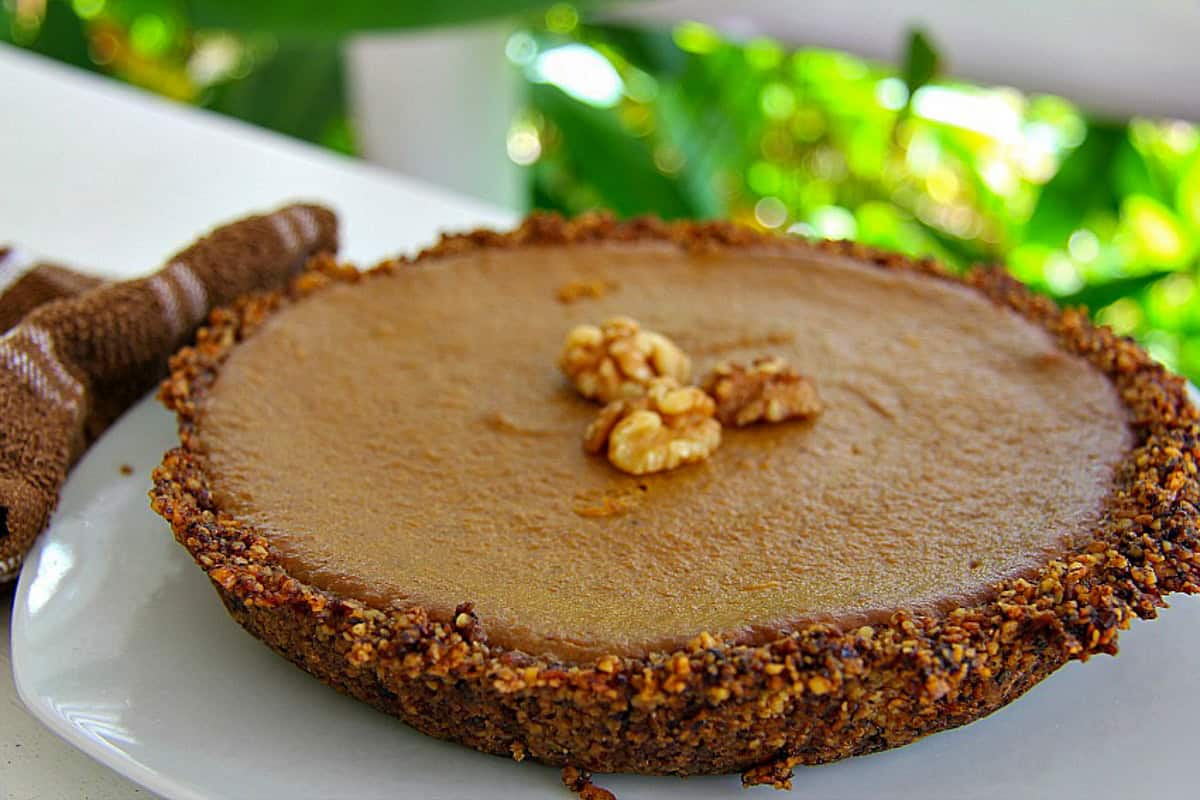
(777, 774)
(608, 664)
(608, 502)
(769, 390)
(571, 291)
(606, 507)
(819, 684)
(670, 426)
(580, 781)
(466, 622)
(718, 694)
(619, 359)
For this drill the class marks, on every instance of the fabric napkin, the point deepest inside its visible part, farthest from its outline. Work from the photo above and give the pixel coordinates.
(26, 283)
(76, 352)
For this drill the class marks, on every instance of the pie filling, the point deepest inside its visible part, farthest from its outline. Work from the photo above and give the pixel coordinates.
(408, 440)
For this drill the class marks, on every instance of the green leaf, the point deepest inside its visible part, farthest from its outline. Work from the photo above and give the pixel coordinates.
(1156, 236)
(921, 61)
(650, 49)
(1187, 195)
(698, 176)
(63, 37)
(1100, 295)
(949, 249)
(883, 224)
(1132, 173)
(324, 19)
(617, 168)
(719, 95)
(1083, 185)
(297, 91)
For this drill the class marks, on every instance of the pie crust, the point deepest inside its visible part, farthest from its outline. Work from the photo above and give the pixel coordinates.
(815, 695)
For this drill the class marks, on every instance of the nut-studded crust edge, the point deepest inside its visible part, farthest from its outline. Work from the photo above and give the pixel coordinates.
(815, 695)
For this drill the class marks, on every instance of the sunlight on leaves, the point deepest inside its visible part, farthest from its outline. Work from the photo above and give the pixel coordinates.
(685, 121)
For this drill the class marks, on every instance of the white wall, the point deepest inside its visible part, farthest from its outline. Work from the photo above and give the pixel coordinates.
(1114, 57)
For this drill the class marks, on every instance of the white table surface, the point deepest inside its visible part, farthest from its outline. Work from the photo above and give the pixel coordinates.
(114, 180)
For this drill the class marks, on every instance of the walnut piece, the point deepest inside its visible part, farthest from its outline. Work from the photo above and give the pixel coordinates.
(769, 390)
(671, 425)
(619, 360)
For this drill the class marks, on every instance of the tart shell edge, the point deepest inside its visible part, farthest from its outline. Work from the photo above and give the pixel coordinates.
(815, 695)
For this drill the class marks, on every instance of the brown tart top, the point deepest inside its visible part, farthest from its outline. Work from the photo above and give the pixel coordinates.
(407, 440)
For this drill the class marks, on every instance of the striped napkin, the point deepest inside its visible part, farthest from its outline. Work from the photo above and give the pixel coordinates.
(76, 352)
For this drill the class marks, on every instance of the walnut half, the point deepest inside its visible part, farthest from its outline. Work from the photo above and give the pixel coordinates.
(671, 425)
(619, 359)
(769, 390)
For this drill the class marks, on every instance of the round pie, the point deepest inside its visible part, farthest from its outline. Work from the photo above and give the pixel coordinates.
(382, 474)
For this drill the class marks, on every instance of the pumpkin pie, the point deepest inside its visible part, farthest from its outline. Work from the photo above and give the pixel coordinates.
(382, 475)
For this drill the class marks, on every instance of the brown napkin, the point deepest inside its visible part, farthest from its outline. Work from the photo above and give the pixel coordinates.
(73, 364)
(26, 284)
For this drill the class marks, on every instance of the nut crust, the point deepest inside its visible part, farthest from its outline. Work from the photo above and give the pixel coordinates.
(814, 695)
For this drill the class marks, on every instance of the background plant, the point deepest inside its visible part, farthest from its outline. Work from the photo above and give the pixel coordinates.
(685, 122)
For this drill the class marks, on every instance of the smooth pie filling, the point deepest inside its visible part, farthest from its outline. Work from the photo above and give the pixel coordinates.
(408, 440)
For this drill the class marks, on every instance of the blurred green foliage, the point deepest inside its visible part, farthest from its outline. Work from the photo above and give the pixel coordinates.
(821, 143)
(685, 122)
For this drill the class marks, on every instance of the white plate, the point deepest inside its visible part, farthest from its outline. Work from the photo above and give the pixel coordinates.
(122, 648)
